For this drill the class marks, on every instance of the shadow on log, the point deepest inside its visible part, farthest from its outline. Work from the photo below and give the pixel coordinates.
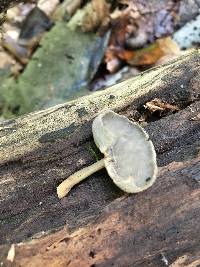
(39, 150)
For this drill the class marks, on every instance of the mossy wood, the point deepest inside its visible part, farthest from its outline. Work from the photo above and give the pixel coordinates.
(40, 149)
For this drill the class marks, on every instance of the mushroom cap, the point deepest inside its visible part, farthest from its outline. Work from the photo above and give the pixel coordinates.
(130, 157)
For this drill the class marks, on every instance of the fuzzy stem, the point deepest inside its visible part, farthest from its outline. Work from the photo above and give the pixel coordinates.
(77, 177)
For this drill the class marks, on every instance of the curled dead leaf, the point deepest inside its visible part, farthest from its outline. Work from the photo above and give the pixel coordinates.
(159, 105)
(96, 14)
(151, 54)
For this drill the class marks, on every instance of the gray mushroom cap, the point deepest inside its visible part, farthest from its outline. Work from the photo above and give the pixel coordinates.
(130, 157)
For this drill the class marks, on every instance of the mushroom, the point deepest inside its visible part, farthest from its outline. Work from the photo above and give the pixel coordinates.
(129, 155)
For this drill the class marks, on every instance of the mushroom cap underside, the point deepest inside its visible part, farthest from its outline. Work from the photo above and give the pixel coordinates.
(130, 157)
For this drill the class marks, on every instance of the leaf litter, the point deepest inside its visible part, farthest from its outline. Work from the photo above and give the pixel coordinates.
(124, 37)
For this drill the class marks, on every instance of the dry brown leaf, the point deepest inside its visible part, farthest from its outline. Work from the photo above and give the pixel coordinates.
(158, 105)
(96, 14)
(151, 54)
(168, 46)
(170, 49)
(137, 24)
(121, 28)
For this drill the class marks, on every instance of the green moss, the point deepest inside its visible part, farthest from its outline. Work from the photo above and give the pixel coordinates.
(94, 151)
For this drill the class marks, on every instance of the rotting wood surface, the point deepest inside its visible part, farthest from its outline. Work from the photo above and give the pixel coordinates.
(39, 150)
(149, 229)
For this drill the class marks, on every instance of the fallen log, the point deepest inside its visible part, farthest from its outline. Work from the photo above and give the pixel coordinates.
(154, 228)
(40, 149)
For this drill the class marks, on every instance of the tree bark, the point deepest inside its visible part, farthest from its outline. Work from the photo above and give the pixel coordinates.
(156, 228)
(39, 150)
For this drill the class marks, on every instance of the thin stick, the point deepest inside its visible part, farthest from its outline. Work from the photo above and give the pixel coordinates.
(77, 177)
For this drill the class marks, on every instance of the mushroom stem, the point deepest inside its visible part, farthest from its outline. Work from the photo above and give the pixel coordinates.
(77, 177)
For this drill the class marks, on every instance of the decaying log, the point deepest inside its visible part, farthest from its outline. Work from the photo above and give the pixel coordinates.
(39, 150)
(154, 228)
